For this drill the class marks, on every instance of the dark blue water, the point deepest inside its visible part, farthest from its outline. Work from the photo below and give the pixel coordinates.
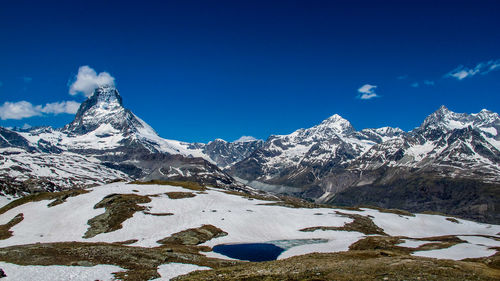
(250, 251)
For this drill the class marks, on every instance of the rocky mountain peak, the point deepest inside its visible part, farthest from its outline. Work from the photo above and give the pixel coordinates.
(445, 119)
(335, 124)
(104, 98)
(487, 117)
(104, 107)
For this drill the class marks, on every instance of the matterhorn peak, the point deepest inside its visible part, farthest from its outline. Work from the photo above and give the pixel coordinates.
(103, 107)
(106, 96)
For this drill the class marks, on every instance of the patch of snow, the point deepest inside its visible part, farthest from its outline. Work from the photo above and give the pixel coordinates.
(171, 270)
(489, 130)
(412, 243)
(479, 240)
(16, 272)
(457, 252)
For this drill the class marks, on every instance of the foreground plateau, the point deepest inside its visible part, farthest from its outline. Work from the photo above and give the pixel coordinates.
(146, 231)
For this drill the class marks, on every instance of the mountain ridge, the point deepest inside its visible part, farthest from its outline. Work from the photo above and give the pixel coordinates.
(317, 163)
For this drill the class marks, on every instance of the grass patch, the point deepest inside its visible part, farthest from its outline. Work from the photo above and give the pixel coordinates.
(5, 231)
(351, 265)
(58, 197)
(180, 195)
(390, 211)
(194, 236)
(360, 223)
(185, 184)
(119, 208)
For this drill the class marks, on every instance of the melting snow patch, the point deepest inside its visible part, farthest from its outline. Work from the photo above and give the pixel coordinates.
(16, 272)
(171, 270)
(457, 252)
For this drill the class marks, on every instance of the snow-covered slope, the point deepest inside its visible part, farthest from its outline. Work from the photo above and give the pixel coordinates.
(298, 230)
(26, 167)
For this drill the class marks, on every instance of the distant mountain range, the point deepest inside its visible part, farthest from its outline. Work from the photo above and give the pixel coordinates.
(450, 164)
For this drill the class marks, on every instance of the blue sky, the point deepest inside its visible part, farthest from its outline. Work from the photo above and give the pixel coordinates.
(200, 70)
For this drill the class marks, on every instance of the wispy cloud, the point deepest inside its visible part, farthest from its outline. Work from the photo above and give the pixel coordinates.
(462, 72)
(23, 109)
(27, 79)
(367, 92)
(87, 80)
(1, 83)
(402, 77)
(423, 83)
(69, 107)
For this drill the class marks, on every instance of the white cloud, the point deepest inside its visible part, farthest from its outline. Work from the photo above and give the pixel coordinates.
(429, 82)
(245, 139)
(368, 92)
(462, 72)
(18, 110)
(70, 107)
(87, 80)
(23, 109)
(415, 85)
(402, 77)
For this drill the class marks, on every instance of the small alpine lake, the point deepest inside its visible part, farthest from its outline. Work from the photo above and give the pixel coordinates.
(249, 251)
(258, 252)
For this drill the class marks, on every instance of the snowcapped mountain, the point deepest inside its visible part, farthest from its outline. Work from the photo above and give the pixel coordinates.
(333, 163)
(301, 158)
(330, 162)
(458, 145)
(105, 142)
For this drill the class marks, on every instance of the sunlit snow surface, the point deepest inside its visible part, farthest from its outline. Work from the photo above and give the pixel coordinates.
(245, 220)
(16, 272)
(171, 270)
